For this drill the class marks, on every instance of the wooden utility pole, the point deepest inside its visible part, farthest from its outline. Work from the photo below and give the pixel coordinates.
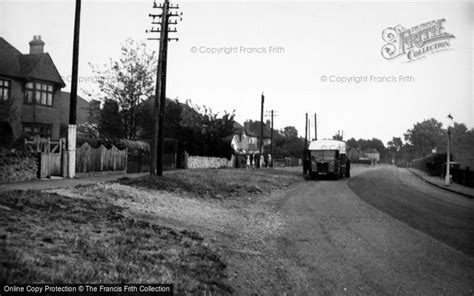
(306, 132)
(271, 135)
(75, 64)
(71, 131)
(261, 124)
(272, 115)
(309, 129)
(156, 167)
(271, 141)
(315, 128)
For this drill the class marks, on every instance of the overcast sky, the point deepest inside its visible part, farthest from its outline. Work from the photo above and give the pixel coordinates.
(285, 49)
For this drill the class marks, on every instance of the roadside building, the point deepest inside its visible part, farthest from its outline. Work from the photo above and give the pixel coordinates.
(30, 87)
(366, 156)
(246, 138)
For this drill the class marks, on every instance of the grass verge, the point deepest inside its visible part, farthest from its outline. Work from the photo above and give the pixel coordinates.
(48, 238)
(218, 183)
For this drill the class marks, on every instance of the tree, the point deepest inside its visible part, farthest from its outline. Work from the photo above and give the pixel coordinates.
(379, 146)
(198, 129)
(352, 143)
(462, 144)
(290, 132)
(110, 124)
(425, 136)
(367, 145)
(338, 136)
(127, 82)
(395, 144)
(216, 131)
(172, 124)
(286, 143)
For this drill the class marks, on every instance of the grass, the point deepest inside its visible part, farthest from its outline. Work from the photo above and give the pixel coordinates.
(45, 237)
(219, 183)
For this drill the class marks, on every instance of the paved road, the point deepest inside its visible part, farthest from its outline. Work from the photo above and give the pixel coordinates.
(448, 217)
(381, 241)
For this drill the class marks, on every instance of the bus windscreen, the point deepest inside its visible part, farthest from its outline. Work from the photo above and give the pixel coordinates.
(323, 155)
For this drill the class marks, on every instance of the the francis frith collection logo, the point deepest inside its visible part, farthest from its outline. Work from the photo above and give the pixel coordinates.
(416, 42)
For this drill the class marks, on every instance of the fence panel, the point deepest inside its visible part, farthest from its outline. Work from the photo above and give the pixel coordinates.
(99, 159)
(463, 176)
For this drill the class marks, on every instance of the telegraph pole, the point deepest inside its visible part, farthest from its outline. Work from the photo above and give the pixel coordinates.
(156, 167)
(315, 128)
(306, 132)
(71, 131)
(261, 125)
(272, 114)
(309, 129)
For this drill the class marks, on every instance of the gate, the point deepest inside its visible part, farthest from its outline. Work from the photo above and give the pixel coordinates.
(50, 155)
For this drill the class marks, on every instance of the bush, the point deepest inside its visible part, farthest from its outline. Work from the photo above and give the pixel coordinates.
(17, 165)
(432, 164)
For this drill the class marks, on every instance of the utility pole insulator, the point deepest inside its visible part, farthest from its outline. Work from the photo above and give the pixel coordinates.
(156, 167)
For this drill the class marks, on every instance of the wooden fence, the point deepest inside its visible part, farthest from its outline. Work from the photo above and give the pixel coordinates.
(139, 162)
(100, 159)
(50, 155)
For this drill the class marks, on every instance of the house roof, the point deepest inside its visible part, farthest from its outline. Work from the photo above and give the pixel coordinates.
(238, 128)
(253, 129)
(27, 66)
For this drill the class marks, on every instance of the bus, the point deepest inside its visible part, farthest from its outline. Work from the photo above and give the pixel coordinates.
(326, 158)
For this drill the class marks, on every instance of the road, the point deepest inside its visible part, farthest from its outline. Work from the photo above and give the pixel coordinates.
(383, 232)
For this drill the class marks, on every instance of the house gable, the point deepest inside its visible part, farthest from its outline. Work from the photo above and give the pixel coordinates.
(9, 59)
(27, 66)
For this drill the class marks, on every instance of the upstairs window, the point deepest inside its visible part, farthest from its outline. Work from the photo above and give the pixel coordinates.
(5, 89)
(39, 93)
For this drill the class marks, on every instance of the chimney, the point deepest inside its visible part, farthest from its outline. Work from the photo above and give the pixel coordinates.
(36, 45)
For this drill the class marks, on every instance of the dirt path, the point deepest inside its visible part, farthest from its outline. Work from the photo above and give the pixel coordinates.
(240, 231)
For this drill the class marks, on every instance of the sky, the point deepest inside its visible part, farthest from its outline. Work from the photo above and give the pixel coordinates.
(305, 56)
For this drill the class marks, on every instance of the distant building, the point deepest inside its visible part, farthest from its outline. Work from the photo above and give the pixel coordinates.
(246, 138)
(32, 81)
(355, 154)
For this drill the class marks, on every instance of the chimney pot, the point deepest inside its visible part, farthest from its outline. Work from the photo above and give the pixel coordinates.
(36, 45)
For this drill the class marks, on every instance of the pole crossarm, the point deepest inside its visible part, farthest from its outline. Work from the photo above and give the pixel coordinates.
(163, 22)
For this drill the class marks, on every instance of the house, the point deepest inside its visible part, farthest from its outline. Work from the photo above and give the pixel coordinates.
(30, 87)
(369, 155)
(246, 138)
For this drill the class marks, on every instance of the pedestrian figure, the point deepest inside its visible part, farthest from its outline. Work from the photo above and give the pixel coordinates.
(262, 161)
(248, 161)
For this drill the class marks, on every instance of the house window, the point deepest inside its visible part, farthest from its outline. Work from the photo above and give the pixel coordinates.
(34, 129)
(4, 89)
(39, 93)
